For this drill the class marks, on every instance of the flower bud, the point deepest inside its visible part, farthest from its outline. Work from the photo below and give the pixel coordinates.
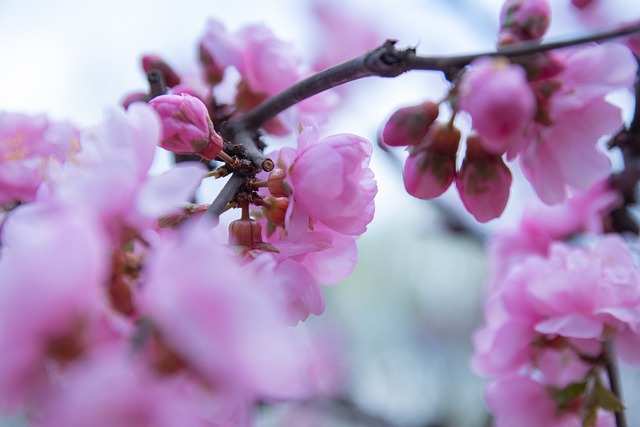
(409, 125)
(522, 20)
(483, 182)
(276, 185)
(213, 72)
(154, 62)
(245, 232)
(275, 209)
(431, 167)
(186, 126)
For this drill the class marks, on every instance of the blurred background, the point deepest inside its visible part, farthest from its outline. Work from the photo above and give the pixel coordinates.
(397, 334)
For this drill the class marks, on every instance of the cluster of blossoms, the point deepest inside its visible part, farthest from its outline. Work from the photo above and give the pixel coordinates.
(548, 110)
(122, 301)
(552, 312)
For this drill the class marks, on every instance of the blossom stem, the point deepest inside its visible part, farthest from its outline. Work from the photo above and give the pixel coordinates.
(387, 61)
(614, 381)
(157, 85)
(229, 190)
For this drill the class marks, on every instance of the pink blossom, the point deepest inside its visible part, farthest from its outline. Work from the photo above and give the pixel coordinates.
(215, 317)
(186, 126)
(543, 224)
(110, 174)
(523, 402)
(267, 65)
(29, 145)
(109, 388)
(499, 99)
(330, 180)
(156, 63)
(53, 268)
(483, 182)
(563, 151)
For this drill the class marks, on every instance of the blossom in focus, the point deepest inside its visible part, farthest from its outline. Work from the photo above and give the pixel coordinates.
(330, 182)
(29, 146)
(186, 126)
(500, 101)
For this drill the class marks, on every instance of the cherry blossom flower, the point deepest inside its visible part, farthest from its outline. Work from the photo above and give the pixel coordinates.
(330, 181)
(267, 65)
(563, 152)
(29, 145)
(214, 316)
(110, 174)
(500, 101)
(52, 269)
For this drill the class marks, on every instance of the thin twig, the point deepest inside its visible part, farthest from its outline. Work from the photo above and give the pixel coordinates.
(226, 194)
(614, 382)
(387, 61)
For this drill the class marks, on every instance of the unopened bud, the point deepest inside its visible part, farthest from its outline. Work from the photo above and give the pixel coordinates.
(275, 209)
(186, 126)
(409, 125)
(483, 182)
(523, 20)
(154, 62)
(213, 73)
(276, 185)
(442, 138)
(245, 232)
(582, 4)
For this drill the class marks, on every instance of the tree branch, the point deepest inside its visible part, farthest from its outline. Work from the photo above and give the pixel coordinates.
(226, 194)
(387, 61)
(614, 382)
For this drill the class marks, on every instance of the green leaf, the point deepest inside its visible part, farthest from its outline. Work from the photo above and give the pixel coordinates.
(605, 399)
(566, 395)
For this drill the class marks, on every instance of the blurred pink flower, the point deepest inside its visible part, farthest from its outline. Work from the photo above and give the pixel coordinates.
(186, 126)
(564, 151)
(110, 174)
(108, 388)
(267, 65)
(29, 145)
(214, 314)
(500, 101)
(52, 270)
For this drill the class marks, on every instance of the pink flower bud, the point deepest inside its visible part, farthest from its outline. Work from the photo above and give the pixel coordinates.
(431, 167)
(186, 126)
(154, 62)
(500, 101)
(213, 72)
(525, 19)
(483, 182)
(409, 125)
(276, 184)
